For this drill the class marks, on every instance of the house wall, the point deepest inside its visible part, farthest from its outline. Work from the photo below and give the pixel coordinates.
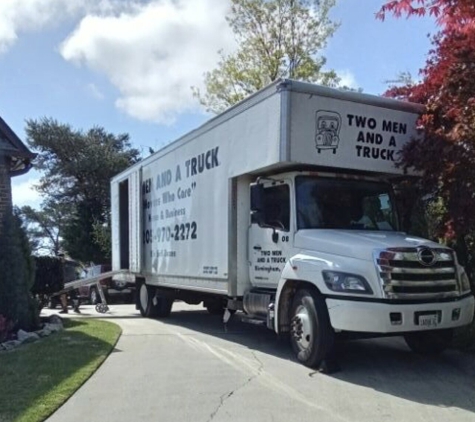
(5, 187)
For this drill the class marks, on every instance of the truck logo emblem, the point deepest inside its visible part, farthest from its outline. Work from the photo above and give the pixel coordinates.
(426, 257)
(328, 125)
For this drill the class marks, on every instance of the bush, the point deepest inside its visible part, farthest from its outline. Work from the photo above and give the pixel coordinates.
(17, 276)
(422, 216)
(6, 327)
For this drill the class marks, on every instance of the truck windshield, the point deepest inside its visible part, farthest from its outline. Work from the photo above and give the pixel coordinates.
(344, 204)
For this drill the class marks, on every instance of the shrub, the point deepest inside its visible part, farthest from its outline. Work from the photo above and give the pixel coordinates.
(17, 275)
(6, 327)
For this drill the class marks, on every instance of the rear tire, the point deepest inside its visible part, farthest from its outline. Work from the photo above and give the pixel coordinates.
(94, 297)
(431, 342)
(147, 308)
(311, 335)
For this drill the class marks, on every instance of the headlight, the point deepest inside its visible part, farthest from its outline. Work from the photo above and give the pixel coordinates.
(348, 283)
(464, 283)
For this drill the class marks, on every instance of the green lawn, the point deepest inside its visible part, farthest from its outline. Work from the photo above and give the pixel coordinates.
(37, 378)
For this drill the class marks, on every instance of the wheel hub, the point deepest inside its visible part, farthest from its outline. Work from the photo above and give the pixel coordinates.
(301, 328)
(143, 296)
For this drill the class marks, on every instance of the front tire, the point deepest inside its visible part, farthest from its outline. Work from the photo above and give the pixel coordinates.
(311, 335)
(152, 305)
(431, 342)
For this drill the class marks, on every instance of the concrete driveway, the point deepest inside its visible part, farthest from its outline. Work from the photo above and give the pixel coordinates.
(189, 368)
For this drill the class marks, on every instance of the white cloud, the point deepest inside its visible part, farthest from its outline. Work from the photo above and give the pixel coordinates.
(153, 53)
(347, 79)
(23, 192)
(20, 16)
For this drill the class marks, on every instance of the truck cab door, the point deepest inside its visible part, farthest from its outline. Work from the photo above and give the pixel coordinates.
(270, 240)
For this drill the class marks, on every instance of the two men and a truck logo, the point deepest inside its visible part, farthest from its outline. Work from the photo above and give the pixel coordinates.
(373, 138)
(328, 125)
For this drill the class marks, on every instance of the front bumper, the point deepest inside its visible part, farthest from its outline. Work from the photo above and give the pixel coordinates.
(374, 317)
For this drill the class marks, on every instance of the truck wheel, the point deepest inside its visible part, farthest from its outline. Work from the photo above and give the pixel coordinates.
(148, 309)
(163, 308)
(94, 297)
(311, 334)
(145, 301)
(429, 342)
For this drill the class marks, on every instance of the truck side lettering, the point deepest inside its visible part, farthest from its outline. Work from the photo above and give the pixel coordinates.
(361, 121)
(177, 232)
(147, 186)
(394, 127)
(164, 179)
(370, 138)
(375, 153)
(204, 161)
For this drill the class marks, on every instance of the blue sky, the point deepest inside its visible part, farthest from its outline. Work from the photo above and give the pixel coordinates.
(128, 66)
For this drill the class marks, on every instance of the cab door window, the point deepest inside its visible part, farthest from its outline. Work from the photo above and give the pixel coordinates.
(277, 207)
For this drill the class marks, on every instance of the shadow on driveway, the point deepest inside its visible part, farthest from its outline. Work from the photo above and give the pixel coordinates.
(384, 365)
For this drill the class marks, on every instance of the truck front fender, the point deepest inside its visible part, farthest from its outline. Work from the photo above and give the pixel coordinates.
(300, 271)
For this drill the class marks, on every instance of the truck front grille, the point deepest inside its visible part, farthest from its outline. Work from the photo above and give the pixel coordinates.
(417, 273)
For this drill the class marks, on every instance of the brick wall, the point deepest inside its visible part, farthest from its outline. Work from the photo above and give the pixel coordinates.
(5, 187)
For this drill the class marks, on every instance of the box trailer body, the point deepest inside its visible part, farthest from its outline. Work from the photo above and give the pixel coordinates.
(218, 216)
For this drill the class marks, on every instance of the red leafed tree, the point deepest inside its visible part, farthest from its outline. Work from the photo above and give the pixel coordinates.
(446, 157)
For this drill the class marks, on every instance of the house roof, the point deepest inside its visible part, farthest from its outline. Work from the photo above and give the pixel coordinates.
(13, 147)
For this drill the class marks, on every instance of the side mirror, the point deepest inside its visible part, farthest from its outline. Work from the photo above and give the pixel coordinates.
(257, 197)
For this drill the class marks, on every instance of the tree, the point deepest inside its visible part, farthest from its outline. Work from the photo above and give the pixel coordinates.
(452, 15)
(44, 227)
(276, 39)
(403, 80)
(81, 237)
(77, 167)
(446, 156)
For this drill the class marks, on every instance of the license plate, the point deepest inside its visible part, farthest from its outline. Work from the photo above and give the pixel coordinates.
(429, 320)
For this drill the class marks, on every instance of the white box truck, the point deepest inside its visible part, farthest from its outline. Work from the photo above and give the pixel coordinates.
(282, 208)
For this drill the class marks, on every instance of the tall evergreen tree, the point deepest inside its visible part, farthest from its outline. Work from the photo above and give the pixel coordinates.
(77, 167)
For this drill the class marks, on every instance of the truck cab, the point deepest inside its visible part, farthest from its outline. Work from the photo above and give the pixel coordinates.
(337, 238)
